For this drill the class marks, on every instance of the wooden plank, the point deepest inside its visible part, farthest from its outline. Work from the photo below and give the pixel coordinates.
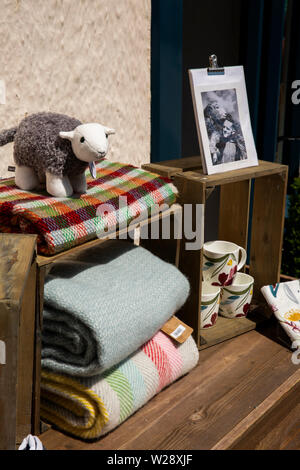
(197, 411)
(47, 260)
(26, 358)
(278, 429)
(267, 231)
(41, 274)
(161, 170)
(224, 329)
(239, 436)
(185, 163)
(190, 262)
(263, 169)
(234, 212)
(9, 331)
(169, 168)
(177, 256)
(16, 254)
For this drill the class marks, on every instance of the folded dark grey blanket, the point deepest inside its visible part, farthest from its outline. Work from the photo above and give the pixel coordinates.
(102, 307)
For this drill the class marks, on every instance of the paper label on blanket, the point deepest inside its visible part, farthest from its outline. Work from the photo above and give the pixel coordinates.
(2, 353)
(177, 330)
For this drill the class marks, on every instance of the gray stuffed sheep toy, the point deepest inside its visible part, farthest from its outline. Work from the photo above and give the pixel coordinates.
(56, 149)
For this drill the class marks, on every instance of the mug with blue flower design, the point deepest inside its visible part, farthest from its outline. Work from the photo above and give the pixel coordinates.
(221, 261)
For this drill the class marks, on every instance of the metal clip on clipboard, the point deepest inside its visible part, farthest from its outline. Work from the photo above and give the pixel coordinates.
(214, 68)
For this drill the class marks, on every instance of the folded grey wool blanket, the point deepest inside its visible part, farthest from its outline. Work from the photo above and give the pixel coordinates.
(103, 306)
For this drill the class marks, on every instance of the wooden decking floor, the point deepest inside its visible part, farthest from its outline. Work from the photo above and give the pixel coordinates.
(244, 394)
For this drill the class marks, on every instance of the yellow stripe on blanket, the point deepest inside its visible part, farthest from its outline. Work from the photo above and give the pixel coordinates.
(84, 405)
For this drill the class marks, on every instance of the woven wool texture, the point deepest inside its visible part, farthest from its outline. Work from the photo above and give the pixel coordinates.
(62, 223)
(91, 407)
(102, 307)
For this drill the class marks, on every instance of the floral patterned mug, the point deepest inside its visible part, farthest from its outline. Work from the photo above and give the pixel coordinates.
(236, 298)
(210, 301)
(221, 262)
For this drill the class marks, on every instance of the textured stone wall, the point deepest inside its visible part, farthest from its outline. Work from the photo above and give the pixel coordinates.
(86, 58)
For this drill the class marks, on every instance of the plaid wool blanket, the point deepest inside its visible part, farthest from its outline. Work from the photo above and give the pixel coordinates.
(62, 223)
(88, 408)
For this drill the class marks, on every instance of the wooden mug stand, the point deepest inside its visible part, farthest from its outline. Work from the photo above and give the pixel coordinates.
(266, 237)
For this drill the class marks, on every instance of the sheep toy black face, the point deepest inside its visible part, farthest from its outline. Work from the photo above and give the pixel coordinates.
(57, 149)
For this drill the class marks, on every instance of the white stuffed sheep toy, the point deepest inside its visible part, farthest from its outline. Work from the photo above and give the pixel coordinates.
(56, 149)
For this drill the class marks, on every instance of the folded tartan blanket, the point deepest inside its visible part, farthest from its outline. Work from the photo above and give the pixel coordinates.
(102, 307)
(91, 407)
(62, 223)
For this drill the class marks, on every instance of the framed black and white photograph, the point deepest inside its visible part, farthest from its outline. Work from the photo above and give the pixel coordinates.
(223, 120)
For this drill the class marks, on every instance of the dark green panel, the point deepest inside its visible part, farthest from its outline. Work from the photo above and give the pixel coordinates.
(209, 27)
(251, 54)
(271, 70)
(291, 149)
(166, 79)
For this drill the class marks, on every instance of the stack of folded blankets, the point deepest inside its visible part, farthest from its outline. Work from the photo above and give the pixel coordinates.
(104, 355)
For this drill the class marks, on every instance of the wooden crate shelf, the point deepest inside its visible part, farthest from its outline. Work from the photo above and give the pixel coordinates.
(17, 333)
(22, 277)
(269, 182)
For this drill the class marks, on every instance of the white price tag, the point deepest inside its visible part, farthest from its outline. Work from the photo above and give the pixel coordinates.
(178, 332)
(137, 236)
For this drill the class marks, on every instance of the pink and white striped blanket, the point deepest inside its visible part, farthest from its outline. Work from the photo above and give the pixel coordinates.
(89, 407)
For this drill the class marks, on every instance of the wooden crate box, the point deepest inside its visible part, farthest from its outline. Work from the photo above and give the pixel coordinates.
(17, 334)
(269, 196)
(22, 277)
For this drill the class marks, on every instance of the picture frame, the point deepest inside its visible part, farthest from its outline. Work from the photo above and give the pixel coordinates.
(223, 120)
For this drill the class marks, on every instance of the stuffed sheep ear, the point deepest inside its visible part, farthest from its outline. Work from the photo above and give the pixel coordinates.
(67, 135)
(109, 131)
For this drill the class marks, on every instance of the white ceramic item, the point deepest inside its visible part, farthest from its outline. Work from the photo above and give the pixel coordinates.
(236, 298)
(221, 262)
(210, 300)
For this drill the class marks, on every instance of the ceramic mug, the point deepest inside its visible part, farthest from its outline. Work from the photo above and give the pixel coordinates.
(221, 262)
(210, 301)
(236, 298)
